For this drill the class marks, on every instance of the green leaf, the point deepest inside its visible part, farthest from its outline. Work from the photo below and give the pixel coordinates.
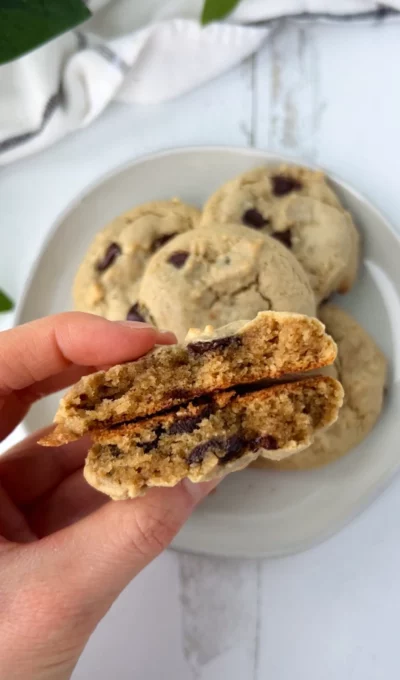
(5, 303)
(26, 24)
(213, 10)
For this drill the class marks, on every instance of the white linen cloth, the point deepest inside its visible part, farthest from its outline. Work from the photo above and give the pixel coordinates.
(140, 52)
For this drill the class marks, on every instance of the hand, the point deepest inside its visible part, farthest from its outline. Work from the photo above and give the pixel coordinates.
(66, 551)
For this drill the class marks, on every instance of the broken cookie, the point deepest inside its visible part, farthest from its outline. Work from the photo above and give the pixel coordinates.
(361, 367)
(211, 436)
(275, 345)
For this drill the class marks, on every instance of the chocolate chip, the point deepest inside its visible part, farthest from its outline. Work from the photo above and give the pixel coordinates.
(135, 314)
(184, 425)
(149, 446)
(107, 391)
(114, 451)
(86, 403)
(189, 423)
(254, 219)
(161, 241)
(179, 394)
(178, 258)
(111, 253)
(233, 448)
(265, 441)
(284, 237)
(282, 185)
(218, 343)
(197, 454)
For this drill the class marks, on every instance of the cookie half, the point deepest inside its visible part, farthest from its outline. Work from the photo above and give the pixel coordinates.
(204, 440)
(108, 279)
(270, 347)
(361, 368)
(220, 274)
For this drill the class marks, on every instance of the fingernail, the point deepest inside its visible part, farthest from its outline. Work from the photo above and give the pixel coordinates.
(137, 325)
(200, 490)
(168, 336)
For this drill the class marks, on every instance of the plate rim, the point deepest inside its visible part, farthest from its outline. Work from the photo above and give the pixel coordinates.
(368, 499)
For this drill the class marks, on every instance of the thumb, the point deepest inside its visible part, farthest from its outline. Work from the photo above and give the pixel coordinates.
(99, 555)
(61, 586)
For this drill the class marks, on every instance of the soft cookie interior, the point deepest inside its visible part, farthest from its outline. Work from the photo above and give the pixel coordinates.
(211, 436)
(269, 347)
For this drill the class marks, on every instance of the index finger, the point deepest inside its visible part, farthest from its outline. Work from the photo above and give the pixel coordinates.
(40, 349)
(46, 355)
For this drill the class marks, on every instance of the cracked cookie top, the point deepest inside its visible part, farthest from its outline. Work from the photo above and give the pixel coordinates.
(219, 274)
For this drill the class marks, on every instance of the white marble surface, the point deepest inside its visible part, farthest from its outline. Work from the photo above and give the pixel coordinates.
(328, 93)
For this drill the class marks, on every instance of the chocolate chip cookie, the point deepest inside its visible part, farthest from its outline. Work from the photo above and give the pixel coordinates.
(108, 279)
(297, 207)
(272, 346)
(252, 197)
(361, 368)
(219, 274)
(211, 437)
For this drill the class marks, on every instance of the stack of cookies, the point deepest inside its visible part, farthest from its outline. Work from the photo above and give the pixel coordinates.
(271, 246)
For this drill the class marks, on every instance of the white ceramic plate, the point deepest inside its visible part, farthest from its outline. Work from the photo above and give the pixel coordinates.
(254, 513)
